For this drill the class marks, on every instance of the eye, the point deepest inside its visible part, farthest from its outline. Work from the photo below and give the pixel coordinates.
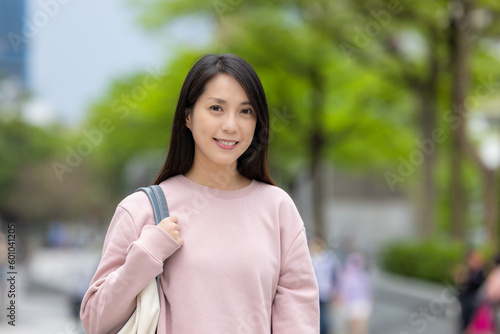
(247, 111)
(215, 108)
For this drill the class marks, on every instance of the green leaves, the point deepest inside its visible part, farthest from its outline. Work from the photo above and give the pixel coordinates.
(345, 81)
(313, 90)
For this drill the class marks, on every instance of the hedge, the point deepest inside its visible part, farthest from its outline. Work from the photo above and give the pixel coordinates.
(429, 260)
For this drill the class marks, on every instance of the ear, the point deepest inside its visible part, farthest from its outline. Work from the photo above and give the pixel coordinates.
(188, 118)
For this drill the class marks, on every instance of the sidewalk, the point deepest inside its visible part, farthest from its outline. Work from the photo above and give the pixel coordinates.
(38, 310)
(404, 305)
(44, 285)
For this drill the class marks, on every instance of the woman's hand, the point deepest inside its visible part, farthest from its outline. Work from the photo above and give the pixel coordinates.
(170, 226)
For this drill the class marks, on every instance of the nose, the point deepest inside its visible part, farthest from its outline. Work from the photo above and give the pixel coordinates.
(230, 123)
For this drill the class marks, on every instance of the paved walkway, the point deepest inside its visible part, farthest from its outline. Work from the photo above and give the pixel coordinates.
(39, 310)
(406, 306)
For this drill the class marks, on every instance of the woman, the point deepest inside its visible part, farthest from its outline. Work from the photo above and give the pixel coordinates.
(233, 256)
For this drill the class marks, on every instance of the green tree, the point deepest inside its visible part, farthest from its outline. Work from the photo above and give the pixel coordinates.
(414, 46)
(471, 23)
(345, 80)
(29, 190)
(322, 109)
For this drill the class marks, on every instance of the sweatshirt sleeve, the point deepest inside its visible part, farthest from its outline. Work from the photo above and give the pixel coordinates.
(296, 303)
(133, 255)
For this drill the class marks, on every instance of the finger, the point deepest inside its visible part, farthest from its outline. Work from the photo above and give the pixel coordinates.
(171, 226)
(180, 241)
(171, 219)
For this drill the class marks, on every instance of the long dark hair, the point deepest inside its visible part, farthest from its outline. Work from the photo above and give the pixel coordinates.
(253, 162)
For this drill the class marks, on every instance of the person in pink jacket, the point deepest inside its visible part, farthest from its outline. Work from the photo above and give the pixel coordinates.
(233, 255)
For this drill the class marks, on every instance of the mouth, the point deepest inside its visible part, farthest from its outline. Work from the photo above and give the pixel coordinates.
(226, 144)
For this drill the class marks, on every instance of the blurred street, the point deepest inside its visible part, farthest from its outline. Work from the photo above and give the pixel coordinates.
(406, 306)
(402, 305)
(40, 310)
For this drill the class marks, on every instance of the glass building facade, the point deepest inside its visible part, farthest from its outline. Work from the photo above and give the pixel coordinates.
(13, 44)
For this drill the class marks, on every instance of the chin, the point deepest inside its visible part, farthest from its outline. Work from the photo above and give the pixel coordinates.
(225, 162)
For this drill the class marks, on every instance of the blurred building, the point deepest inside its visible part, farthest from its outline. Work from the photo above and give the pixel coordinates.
(13, 56)
(12, 41)
(359, 210)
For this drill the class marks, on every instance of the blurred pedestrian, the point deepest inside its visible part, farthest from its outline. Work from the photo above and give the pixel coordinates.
(326, 266)
(355, 294)
(487, 300)
(468, 283)
(233, 257)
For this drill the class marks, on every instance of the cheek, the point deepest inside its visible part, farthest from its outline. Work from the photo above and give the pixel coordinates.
(200, 126)
(201, 136)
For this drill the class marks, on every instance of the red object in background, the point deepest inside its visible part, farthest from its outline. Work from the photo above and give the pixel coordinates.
(483, 321)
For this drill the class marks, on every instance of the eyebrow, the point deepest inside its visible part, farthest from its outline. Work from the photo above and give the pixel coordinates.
(222, 101)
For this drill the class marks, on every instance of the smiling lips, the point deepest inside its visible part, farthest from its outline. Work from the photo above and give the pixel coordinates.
(226, 144)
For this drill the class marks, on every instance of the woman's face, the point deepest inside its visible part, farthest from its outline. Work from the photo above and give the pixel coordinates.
(222, 123)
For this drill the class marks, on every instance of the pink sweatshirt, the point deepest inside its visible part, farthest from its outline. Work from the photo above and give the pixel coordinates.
(244, 267)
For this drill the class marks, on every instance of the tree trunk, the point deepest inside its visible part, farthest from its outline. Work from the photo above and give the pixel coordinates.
(318, 187)
(428, 145)
(460, 50)
(457, 198)
(426, 217)
(490, 205)
(490, 195)
(459, 56)
(317, 142)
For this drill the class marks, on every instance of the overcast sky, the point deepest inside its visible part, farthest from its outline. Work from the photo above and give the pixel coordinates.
(82, 46)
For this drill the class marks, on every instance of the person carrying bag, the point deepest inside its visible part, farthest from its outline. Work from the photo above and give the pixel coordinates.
(233, 256)
(144, 320)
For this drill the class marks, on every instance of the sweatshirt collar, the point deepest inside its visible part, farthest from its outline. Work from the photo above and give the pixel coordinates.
(212, 192)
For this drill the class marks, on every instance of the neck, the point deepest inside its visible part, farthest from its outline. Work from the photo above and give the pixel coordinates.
(217, 177)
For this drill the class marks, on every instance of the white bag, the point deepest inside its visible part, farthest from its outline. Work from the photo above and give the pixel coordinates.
(144, 320)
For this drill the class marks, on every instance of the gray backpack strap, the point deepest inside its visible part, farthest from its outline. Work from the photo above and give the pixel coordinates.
(158, 201)
(160, 209)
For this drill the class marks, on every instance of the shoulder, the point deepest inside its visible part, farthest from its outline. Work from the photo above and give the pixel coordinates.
(273, 193)
(276, 199)
(270, 195)
(135, 209)
(134, 202)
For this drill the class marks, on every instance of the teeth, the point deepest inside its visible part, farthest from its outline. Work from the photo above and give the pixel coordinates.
(228, 143)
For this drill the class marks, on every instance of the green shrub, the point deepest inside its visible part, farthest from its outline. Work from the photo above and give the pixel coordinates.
(429, 260)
